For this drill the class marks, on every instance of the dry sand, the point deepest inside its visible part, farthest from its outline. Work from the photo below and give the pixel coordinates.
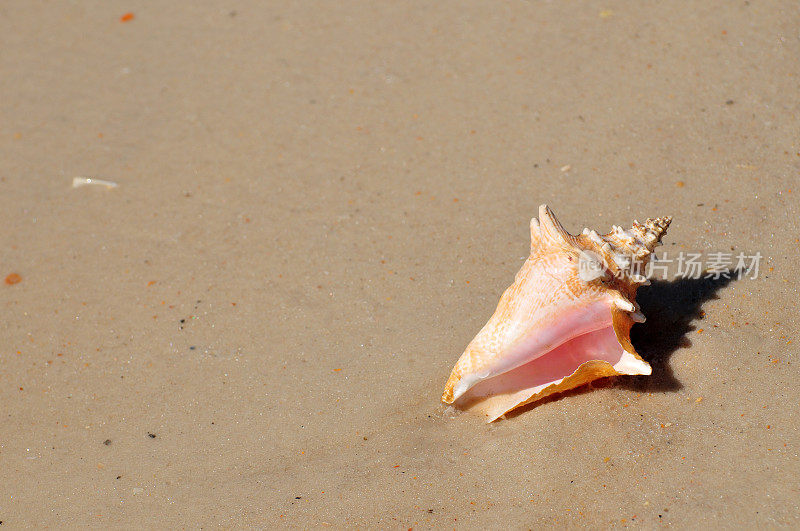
(319, 205)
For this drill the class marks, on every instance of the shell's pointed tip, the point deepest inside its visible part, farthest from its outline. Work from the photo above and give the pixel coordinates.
(551, 226)
(659, 224)
(632, 365)
(544, 211)
(624, 304)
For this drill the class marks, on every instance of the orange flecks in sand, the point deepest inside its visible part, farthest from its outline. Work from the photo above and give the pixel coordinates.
(680, 184)
(606, 459)
(152, 282)
(17, 136)
(724, 32)
(698, 399)
(699, 330)
(768, 426)
(336, 370)
(396, 466)
(13, 278)
(127, 17)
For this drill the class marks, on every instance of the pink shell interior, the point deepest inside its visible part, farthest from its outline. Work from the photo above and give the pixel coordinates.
(496, 395)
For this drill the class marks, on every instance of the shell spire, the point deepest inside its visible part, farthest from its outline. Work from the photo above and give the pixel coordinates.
(564, 322)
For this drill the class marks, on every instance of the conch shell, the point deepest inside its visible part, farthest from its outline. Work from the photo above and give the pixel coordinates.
(564, 322)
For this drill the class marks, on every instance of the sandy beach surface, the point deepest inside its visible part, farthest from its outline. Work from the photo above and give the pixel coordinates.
(317, 207)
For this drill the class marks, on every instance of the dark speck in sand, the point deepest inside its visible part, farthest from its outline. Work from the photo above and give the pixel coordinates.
(297, 497)
(192, 348)
(151, 435)
(107, 442)
(729, 102)
(118, 477)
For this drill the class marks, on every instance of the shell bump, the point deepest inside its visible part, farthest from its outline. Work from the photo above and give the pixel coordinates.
(564, 322)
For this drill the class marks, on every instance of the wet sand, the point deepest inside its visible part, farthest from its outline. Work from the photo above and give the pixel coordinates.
(318, 207)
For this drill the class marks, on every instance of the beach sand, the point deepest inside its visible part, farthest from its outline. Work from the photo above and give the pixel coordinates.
(319, 205)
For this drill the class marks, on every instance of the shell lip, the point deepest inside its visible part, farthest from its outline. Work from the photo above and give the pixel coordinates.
(540, 340)
(611, 317)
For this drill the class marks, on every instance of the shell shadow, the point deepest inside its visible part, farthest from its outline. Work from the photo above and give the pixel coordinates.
(671, 307)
